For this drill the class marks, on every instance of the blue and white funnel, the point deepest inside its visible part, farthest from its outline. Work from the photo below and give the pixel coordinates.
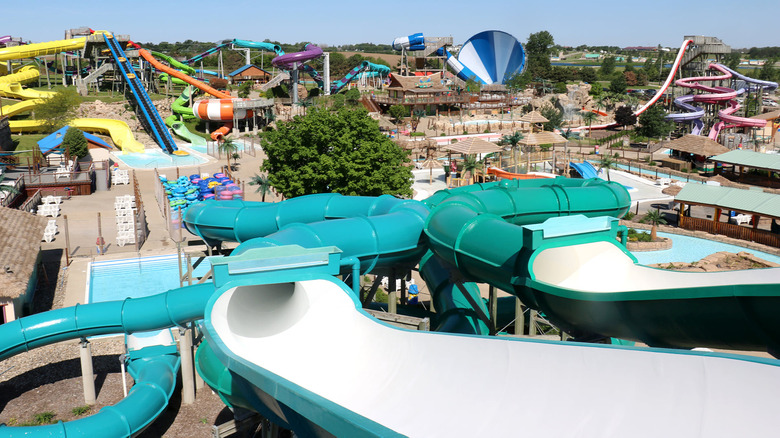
(489, 57)
(411, 43)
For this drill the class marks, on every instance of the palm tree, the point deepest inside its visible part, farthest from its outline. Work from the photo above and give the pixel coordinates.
(263, 185)
(600, 102)
(470, 165)
(654, 217)
(228, 146)
(588, 117)
(513, 140)
(606, 163)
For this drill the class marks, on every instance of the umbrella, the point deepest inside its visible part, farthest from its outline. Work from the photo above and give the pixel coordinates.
(472, 146)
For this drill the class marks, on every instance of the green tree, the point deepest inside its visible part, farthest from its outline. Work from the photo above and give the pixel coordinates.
(733, 59)
(653, 124)
(262, 183)
(335, 151)
(588, 117)
(352, 96)
(653, 217)
(588, 74)
(607, 67)
(618, 84)
(606, 163)
(537, 51)
(596, 89)
(624, 116)
(75, 143)
(553, 115)
(244, 89)
(229, 147)
(398, 112)
(473, 85)
(58, 110)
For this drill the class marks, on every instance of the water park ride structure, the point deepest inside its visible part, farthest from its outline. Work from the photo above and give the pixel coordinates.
(275, 308)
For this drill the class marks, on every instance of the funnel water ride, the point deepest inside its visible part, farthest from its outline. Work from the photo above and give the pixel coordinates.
(489, 57)
(294, 62)
(275, 308)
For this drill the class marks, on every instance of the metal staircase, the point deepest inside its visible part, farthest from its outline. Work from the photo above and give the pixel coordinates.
(275, 81)
(82, 83)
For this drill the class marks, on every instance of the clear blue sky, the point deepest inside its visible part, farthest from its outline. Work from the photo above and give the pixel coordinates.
(621, 23)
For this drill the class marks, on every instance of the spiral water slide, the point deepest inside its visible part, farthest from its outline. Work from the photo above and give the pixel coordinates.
(716, 95)
(658, 94)
(293, 62)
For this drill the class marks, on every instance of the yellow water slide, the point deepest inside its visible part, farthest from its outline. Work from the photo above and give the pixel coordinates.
(41, 49)
(11, 87)
(120, 133)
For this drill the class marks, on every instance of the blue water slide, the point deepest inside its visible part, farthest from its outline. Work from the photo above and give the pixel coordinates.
(585, 169)
(693, 114)
(148, 112)
(412, 42)
(766, 85)
(208, 52)
(154, 369)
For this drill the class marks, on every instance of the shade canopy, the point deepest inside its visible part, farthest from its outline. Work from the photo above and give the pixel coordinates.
(534, 117)
(697, 145)
(544, 137)
(472, 145)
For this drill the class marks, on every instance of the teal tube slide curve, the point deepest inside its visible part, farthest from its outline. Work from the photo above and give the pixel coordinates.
(155, 375)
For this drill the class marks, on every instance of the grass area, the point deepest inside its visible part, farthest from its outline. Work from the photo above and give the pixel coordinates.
(26, 143)
(198, 127)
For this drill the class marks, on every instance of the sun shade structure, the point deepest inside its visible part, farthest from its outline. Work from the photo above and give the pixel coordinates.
(534, 117)
(729, 198)
(471, 146)
(697, 145)
(747, 158)
(544, 137)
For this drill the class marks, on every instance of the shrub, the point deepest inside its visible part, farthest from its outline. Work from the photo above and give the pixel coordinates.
(75, 142)
(80, 410)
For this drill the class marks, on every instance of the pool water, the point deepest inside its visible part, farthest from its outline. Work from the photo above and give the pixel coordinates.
(691, 249)
(139, 277)
(156, 158)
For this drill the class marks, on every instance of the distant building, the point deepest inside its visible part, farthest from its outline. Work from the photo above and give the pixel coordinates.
(249, 72)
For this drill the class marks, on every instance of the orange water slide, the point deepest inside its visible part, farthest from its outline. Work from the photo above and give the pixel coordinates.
(177, 74)
(508, 175)
(219, 133)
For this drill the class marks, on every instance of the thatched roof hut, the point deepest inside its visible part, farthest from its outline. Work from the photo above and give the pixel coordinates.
(697, 145)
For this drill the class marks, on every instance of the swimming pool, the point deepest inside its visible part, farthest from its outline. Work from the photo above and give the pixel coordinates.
(692, 249)
(138, 277)
(156, 158)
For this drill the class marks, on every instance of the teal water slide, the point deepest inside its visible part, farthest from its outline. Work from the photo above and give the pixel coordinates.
(153, 368)
(301, 351)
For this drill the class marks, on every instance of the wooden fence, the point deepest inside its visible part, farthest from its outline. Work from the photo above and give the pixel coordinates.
(763, 237)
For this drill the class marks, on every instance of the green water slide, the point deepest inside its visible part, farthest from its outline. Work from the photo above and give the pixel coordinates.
(181, 109)
(175, 64)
